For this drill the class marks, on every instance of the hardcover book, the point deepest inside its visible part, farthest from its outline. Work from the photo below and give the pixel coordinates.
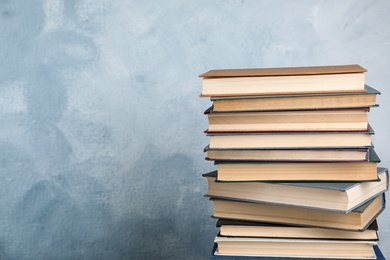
(330, 196)
(299, 171)
(378, 253)
(355, 139)
(273, 247)
(356, 220)
(296, 102)
(352, 119)
(288, 154)
(266, 81)
(237, 228)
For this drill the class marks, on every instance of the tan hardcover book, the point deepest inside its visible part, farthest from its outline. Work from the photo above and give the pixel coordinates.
(329, 196)
(352, 119)
(299, 171)
(305, 248)
(266, 81)
(291, 140)
(356, 220)
(298, 155)
(237, 228)
(297, 101)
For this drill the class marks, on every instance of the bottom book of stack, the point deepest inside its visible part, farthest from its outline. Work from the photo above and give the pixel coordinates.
(215, 256)
(251, 239)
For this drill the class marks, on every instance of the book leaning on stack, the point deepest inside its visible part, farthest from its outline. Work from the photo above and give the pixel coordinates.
(297, 175)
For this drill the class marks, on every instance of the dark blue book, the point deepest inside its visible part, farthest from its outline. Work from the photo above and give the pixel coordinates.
(377, 251)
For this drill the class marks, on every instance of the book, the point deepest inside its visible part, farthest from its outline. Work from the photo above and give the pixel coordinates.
(273, 247)
(299, 171)
(356, 220)
(236, 228)
(287, 154)
(329, 196)
(297, 101)
(266, 81)
(353, 119)
(378, 253)
(352, 139)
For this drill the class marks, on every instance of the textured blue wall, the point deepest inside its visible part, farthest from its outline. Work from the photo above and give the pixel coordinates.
(101, 121)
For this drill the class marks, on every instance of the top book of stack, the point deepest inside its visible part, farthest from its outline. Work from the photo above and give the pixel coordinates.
(287, 80)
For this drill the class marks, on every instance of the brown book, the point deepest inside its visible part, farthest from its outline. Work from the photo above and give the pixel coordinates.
(266, 81)
(297, 101)
(353, 119)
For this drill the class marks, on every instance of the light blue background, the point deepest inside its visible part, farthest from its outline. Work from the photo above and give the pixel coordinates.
(101, 133)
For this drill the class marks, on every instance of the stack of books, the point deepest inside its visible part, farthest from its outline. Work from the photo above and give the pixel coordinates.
(297, 174)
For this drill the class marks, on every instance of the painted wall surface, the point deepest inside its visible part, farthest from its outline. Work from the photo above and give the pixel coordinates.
(101, 124)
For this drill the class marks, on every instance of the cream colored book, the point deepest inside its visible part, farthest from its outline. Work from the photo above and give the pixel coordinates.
(286, 80)
(297, 101)
(355, 119)
(236, 228)
(299, 140)
(329, 196)
(299, 171)
(356, 220)
(298, 155)
(238, 246)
